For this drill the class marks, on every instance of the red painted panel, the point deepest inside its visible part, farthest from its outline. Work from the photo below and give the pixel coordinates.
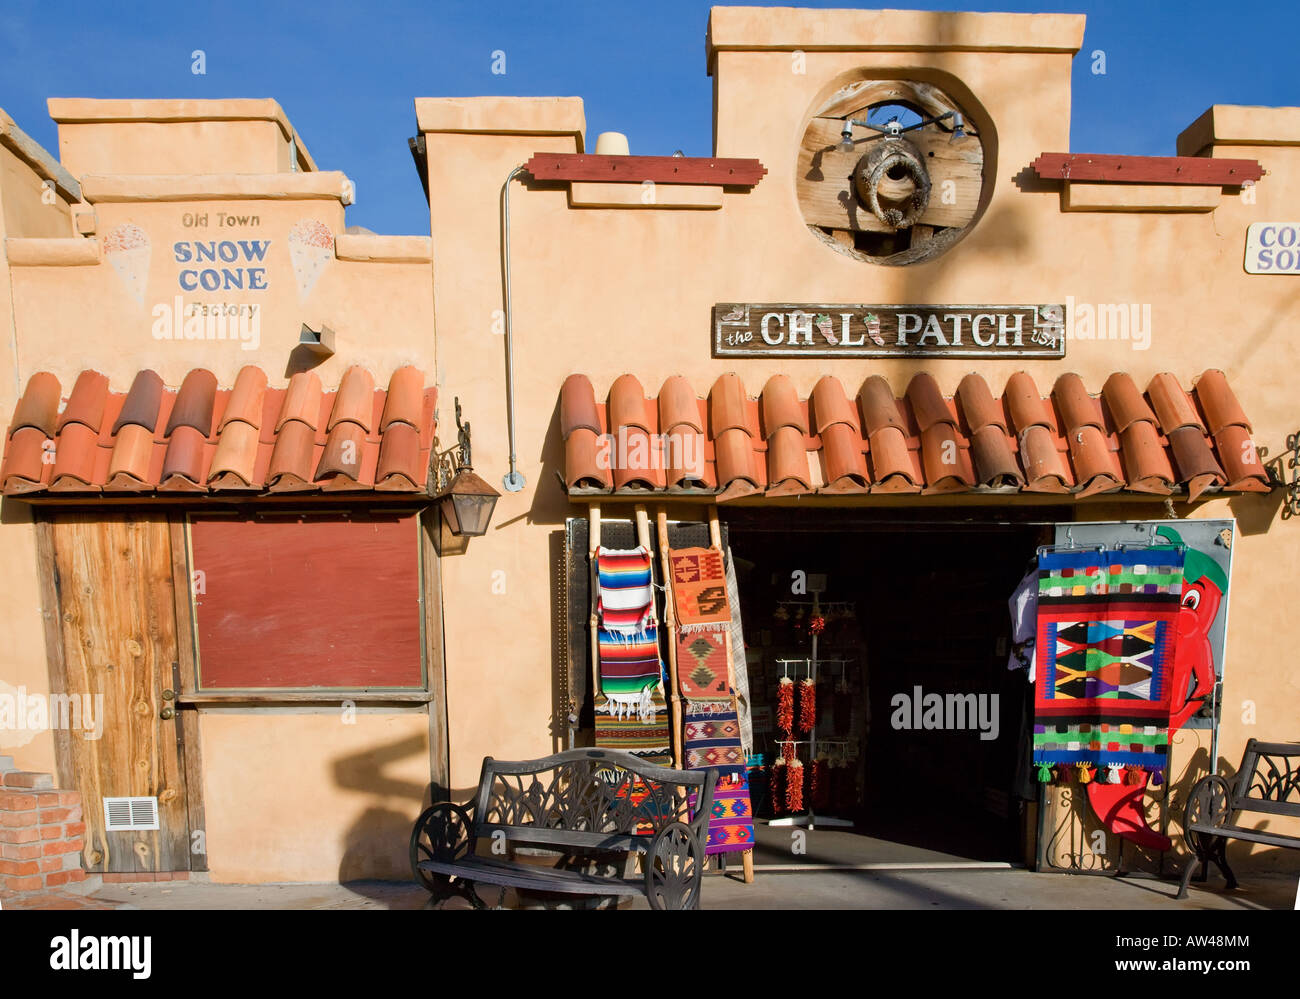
(638, 169)
(307, 601)
(1146, 169)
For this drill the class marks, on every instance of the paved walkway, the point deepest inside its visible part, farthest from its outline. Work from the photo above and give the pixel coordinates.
(884, 890)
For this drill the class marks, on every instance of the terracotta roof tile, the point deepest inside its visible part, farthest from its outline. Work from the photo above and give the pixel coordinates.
(143, 403)
(25, 468)
(1067, 444)
(249, 439)
(994, 463)
(831, 406)
(1125, 402)
(627, 405)
(781, 406)
(1218, 402)
(1077, 407)
(128, 468)
(1173, 406)
(728, 408)
(405, 400)
(74, 458)
(979, 406)
(245, 402)
(578, 406)
(354, 401)
(678, 406)
(39, 406)
(86, 404)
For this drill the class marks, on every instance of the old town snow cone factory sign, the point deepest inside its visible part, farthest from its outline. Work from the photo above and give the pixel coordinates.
(744, 330)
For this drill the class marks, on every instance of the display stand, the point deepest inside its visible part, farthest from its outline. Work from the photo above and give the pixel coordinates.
(809, 818)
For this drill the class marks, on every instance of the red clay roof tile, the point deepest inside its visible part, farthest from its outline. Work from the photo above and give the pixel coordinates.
(404, 402)
(293, 459)
(195, 403)
(578, 406)
(1096, 469)
(678, 406)
(585, 468)
(1146, 465)
(728, 407)
(74, 458)
(86, 404)
(1218, 402)
(39, 406)
(787, 463)
(1077, 407)
(879, 407)
(1173, 406)
(1192, 455)
(947, 464)
(343, 452)
(400, 465)
(1028, 408)
(1045, 468)
(846, 468)
(1240, 459)
(302, 401)
(128, 468)
(735, 461)
(639, 465)
(994, 462)
(245, 402)
(25, 466)
(893, 467)
(354, 401)
(684, 458)
(142, 404)
(627, 405)
(831, 406)
(1125, 402)
(183, 465)
(978, 405)
(235, 459)
(927, 402)
(781, 407)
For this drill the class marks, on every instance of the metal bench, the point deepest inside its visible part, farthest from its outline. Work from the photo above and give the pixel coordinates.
(577, 803)
(1267, 783)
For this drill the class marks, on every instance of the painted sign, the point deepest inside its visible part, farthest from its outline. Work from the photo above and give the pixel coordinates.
(989, 331)
(1203, 620)
(1273, 248)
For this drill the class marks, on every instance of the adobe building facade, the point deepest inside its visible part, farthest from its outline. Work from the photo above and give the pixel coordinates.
(150, 203)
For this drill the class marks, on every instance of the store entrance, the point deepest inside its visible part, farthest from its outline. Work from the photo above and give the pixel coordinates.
(918, 751)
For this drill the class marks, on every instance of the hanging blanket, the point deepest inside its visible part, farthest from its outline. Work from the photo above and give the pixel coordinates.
(633, 717)
(1107, 629)
(700, 590)
(712, 738)
(702, 661)
(731, 826)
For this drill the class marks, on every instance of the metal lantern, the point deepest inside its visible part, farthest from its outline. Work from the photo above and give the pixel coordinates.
(465, 500)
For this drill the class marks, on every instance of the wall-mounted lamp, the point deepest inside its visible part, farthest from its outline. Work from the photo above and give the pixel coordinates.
(465, 500)
(319, 342)
(894, 129)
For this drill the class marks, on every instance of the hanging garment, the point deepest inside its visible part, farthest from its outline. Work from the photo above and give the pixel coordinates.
(1023, 606)
(1107, 632)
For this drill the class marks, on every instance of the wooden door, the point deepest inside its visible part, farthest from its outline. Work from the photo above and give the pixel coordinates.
(112, 576)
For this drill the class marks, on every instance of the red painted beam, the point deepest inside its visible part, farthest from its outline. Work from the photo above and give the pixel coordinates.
(638, 169)
(1147, 169)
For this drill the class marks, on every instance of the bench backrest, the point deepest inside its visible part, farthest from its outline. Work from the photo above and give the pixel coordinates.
(589, 798)
(1269, 778)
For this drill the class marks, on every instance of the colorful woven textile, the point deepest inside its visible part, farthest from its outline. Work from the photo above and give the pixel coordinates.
(648, 741)
(1107, 630)
(700, 590)
(624, 596)
(702, 662)
(712, 737)
(731, 826)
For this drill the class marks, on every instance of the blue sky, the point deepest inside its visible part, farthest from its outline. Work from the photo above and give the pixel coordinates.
(347, 72)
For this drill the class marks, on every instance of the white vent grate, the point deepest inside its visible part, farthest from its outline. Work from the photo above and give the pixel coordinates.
(122, 814)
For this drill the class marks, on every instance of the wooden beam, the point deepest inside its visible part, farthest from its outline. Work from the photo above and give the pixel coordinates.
(670, 625)
(56, 661)
(186, 670)
(705, 170)
(593, 624)
(1147, 169)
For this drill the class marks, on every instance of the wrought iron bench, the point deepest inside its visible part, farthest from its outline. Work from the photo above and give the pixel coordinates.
(579, 803)
(1267, 783)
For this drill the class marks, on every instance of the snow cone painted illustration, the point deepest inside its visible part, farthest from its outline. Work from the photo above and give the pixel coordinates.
(126, 247)
(311, 247)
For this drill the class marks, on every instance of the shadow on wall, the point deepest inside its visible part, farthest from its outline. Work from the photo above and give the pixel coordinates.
(375, 846)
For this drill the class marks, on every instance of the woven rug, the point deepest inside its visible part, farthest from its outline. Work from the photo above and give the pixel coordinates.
(624, 596)
(731, 826)
(712, 738)
(1107, 631)
(700, 590)
(702, 662)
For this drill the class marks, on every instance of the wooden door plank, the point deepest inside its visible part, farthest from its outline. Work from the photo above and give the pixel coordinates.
(436, 674)
(51, 620)
(191, 748)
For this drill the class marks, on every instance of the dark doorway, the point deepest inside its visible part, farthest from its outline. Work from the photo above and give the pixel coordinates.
(915, 611)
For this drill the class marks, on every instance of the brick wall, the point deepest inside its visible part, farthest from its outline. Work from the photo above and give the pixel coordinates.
(41, 832)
